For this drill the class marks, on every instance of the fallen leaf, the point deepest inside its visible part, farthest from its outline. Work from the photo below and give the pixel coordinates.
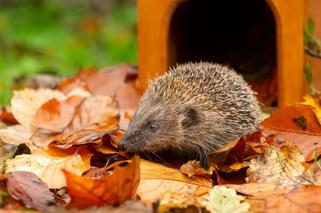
(7, 117)
(151, 170)
(25, 103)
(95, 117)
(108, 150)
(237, 177)
(54, 116)
(222, 199)
(309, 100)
(283, 167)
(233, 167)
(259, 190)
(285, 119)
(16, 135)
(219, 156)
(194, 167)
(109, 82)
(128, 207)
(157, 179)
(297, 124)
(79, 81)
(49, 167)
(150, 190)
(313, 173)
(303, 199)
(28, 188)
(170, 201)
(118, 82)
(111, 190)
(6, 151)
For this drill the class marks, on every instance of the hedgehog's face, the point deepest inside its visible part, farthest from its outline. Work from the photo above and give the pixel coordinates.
(155, 129)
(149, 132)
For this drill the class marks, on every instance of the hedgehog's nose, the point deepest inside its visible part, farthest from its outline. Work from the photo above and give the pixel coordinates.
(122, 145)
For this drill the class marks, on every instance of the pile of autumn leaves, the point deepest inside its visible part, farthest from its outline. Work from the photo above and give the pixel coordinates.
(59, 151)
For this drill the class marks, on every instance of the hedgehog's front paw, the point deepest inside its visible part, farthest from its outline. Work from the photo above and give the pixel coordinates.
(204, 163)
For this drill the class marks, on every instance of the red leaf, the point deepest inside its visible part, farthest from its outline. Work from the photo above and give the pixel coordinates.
(7, 117)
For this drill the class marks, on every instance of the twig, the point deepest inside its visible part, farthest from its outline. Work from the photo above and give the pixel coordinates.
(312, 53)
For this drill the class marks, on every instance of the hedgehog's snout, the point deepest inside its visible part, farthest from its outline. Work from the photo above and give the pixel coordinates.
(132, 141)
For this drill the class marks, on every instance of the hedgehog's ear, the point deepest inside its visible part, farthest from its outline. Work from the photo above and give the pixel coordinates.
(190, 117)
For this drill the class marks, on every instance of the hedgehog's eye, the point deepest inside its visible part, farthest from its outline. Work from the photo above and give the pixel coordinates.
(153, 127)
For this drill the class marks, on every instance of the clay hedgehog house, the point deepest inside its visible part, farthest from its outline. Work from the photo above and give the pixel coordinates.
(261, 39)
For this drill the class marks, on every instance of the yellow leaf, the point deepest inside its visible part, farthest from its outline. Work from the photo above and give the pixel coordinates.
(157, 179)
(194, 167)
(152, 189)
(175, 200)
(151, 170)
(283, 167)
(224, 200)
(49, 167)
(309, 100)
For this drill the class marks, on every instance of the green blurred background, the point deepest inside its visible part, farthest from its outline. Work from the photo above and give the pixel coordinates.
(59, 37)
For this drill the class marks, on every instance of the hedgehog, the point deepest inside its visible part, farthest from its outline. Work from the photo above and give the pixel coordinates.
(192, 110)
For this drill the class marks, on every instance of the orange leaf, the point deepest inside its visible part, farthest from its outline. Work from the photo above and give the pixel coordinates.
(301, 199)
(111, 190)
(54, 115)
(297, 124)
(117, 81)
(194, 167)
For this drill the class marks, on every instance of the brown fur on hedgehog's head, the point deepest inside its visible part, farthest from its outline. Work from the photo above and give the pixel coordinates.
(194, 109)
(155, 126)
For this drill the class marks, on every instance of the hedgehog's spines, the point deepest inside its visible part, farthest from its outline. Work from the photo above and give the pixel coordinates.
(223, 103)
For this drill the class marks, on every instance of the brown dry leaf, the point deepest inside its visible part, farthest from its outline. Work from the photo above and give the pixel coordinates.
(48, 166)
(182, 201)
(19, 134)
(130, 206)
(219, 156)
(151, 170)
(6, 151)
(297, 124)
(283, 167)
(302, 199)
(111, 190)
(116, 81)
(194, 167)
(151, 190)
(38, 111)
(25, 103)
(233, 167)
(78, 81)
(16, 135)
(108, 150)
(157, 179)
(95, 117)
(28, 188)
(116, 138)
(53, 116)
(258, 190)
(313, 173)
